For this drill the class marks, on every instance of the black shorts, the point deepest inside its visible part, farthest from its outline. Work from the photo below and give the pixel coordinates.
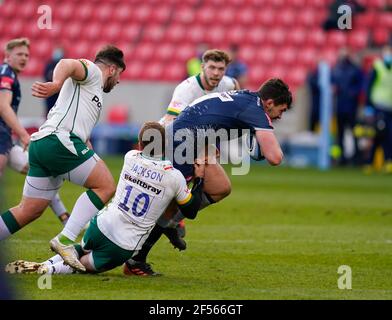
(5, 143)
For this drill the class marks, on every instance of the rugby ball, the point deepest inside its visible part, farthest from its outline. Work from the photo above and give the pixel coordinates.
(253, 148)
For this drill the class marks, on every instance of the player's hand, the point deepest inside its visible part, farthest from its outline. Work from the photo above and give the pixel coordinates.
(25, 141)
(45, 89)
(199, 166)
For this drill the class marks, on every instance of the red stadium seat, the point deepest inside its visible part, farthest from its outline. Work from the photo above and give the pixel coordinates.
(34, 67)
(266, 55)
(176, 33)
(286, 55)
(184, 52)
(236, 35)
(153, 32)
(123, 12)
(111, 31)
(245, 17)
(42, 48)
(307, 56)
(316, 38)
(255, 36)
(336, 38)
(184, 15)
(93, 31)
(134, 70)
(118, 114)
(64, 11)
(226, 16)
(196, 34)
(161, 14)
(8, 9)
(381, 36)
(174, 71)
(152, 71)
(27, 10)
(205, 15)
(297, 36)
(165, 52)
(277, 36)
(130, 32)
(385, 20)
(142, 13)
(266, 17)
(247, 53)
(144, 51)
(84, 11)
(103, 12)
(358, 38)
(288, 17)
(216, 34)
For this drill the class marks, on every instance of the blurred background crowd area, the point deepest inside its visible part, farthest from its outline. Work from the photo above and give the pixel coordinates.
(162, 41)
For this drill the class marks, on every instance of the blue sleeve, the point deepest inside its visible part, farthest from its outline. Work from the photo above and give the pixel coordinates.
(255, 117)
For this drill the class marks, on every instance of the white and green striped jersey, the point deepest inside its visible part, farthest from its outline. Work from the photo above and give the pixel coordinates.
(190, 89)
(77, 108)
(145, 188)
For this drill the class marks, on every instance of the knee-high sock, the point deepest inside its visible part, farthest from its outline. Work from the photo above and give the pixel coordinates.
(8, 225)
(85, 208)
(154, 236)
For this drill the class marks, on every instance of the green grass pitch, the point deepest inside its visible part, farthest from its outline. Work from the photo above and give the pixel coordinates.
(282, 234)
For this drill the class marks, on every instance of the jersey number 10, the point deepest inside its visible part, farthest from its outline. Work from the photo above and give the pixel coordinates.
(124, 205)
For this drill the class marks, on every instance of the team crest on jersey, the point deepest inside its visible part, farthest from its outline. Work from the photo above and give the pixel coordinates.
(6, 83)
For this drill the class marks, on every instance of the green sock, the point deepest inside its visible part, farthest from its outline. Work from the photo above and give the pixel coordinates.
(64, 240)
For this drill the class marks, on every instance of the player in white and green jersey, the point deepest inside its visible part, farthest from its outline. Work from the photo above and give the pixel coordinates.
(60, 150)
(211, 79)
(147, 185)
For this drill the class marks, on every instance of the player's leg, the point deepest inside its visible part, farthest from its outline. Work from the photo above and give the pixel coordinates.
(96, 177)
(18, 161)
(3, 164)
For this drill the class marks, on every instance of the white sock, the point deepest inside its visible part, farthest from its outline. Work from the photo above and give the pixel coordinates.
(60, 268)
(53, 260)
(4, 232)
(82, 212)
(57, 205)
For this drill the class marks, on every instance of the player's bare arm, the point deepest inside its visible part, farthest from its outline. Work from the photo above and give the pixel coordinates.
(270, 146)
(10, 118)
(64, 69)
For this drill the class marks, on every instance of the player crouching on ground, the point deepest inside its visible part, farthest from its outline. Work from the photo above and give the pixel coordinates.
(147, 185)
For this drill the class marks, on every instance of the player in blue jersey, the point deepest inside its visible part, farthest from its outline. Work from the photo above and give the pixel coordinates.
(228, 112)
(16, 58)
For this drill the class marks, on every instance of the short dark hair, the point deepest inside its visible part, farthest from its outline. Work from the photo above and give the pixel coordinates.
(277, 90)
(217, 56)
(110, 54)
(152, 133)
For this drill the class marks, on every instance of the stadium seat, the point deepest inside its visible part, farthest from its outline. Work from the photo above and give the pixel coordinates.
(226, 16)
(216, 34)
(205, 15)
(236, 35)
(381, 36)
(134, 70)
(276, 36)
(196, 34)
(143, 51)
(286, 55)
(255, 35)
(165, 52)
(174, 71)
(245, 17)
(85, 11)
(64, 11)
(103, 12)
(111, 31)
(152, 71)
(184, 15)
(266, 55)
(161, 14)
(117, 114)
(123, 12)
(358, 38)
(176, 33)
(184, 52)
(130, 32)
(153, 32)
(336, 38)
(92, 31)
(296, 36)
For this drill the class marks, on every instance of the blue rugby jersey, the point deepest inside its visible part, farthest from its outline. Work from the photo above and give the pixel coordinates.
(9, 81)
